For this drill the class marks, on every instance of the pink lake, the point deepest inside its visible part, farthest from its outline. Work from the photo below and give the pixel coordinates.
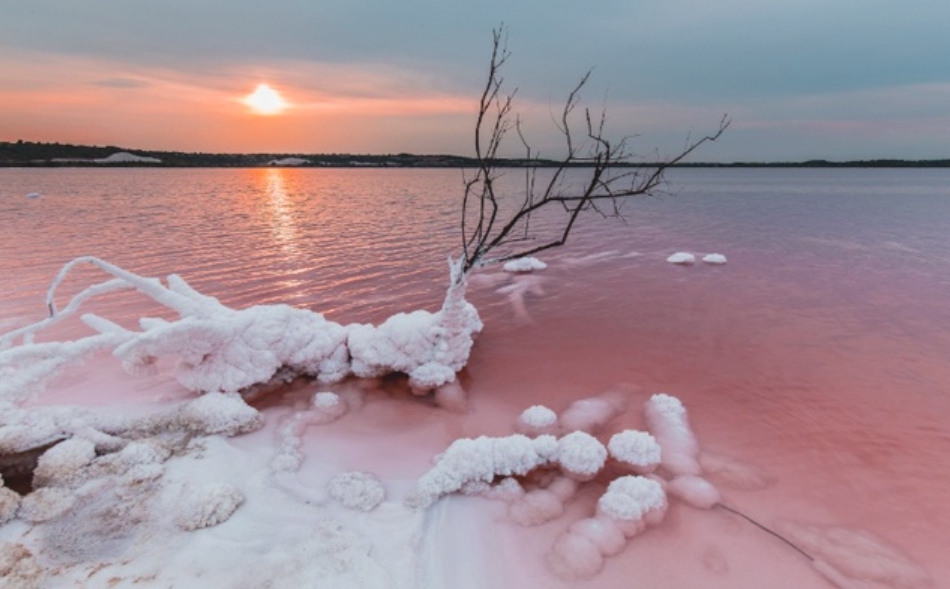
(815, 364)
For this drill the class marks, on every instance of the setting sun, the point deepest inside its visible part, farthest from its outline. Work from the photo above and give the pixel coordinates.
(265, 100)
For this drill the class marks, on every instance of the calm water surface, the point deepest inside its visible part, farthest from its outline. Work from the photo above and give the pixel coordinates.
(820, 353)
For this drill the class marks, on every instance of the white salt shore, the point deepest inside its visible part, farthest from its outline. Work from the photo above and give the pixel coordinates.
(209, 508)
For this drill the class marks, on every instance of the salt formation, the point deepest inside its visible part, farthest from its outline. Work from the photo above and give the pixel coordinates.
(9, 503)
(682, 258)
(481, 460)
(63, 463)
(360, 491)
(630, 504)
(717, 259)
(526, 264)
(207, 506)
(18, 568)
(220, 349)
(429, 347)
(580, 455)
(637, 450)
(667, 419)
(536, 420)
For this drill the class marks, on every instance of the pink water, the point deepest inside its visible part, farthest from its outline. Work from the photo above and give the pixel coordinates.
(818, 358)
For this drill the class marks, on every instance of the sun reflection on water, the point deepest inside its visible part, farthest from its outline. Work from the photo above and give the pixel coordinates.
(284, 212)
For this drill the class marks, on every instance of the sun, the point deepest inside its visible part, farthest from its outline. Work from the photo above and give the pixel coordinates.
(264, 100)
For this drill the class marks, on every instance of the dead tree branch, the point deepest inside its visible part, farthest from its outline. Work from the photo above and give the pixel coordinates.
(606, 173)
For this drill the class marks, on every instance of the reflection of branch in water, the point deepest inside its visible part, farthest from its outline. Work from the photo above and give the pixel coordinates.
(516, 291)
(766, 529)
(823, 568)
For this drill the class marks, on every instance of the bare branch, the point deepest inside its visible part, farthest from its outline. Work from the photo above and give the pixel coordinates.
(607, 174)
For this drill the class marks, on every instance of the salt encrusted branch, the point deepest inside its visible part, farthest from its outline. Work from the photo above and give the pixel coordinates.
(220, 349)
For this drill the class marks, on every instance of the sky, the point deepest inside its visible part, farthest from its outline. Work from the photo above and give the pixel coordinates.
(800, 79)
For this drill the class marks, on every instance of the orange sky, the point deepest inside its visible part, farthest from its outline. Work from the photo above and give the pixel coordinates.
(157, 109)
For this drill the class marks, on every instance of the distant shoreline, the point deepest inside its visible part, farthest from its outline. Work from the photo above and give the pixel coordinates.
(58, 155)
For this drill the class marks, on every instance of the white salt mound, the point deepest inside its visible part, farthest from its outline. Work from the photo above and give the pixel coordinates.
(537, 419)
(207, 506)
(714, 259)
(361, 491)
(633, 498)
(581, 455)
(682, 258)
(637, 449)
(527, 264)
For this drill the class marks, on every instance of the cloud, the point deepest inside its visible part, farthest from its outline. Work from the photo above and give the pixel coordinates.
(121, 83)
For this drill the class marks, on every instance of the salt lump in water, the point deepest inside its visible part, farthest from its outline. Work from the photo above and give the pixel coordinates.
(638, 450)
(537, 419)
(581, 455)
(528, 264)
(682, 258)
(667, 419)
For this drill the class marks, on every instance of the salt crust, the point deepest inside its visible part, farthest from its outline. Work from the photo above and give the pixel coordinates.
(45, 504)
(361, 491)
(716, 259)
(9, 503)
(18, 568)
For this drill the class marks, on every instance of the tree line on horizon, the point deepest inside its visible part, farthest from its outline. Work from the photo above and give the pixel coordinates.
(54, 154)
